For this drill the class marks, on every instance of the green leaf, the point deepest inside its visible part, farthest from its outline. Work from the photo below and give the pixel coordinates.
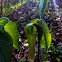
(3, 21)
(42, 7)
(46, 40)
(26, 41)
(60, 10)
(11, 28)
(5, 47)
(57, 6)
(44, 33)
(58, 59)
(46, 37)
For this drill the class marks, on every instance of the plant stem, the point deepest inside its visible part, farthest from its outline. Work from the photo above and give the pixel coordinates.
(39, 38)
(38, 47)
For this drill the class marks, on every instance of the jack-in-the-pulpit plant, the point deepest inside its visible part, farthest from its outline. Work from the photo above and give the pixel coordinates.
(9, 36)
(38, 28)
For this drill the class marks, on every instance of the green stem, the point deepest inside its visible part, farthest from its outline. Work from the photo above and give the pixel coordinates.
(39, 38)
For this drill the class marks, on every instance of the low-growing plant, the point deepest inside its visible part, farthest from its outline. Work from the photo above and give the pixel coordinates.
(38, 28)
(9, 36)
